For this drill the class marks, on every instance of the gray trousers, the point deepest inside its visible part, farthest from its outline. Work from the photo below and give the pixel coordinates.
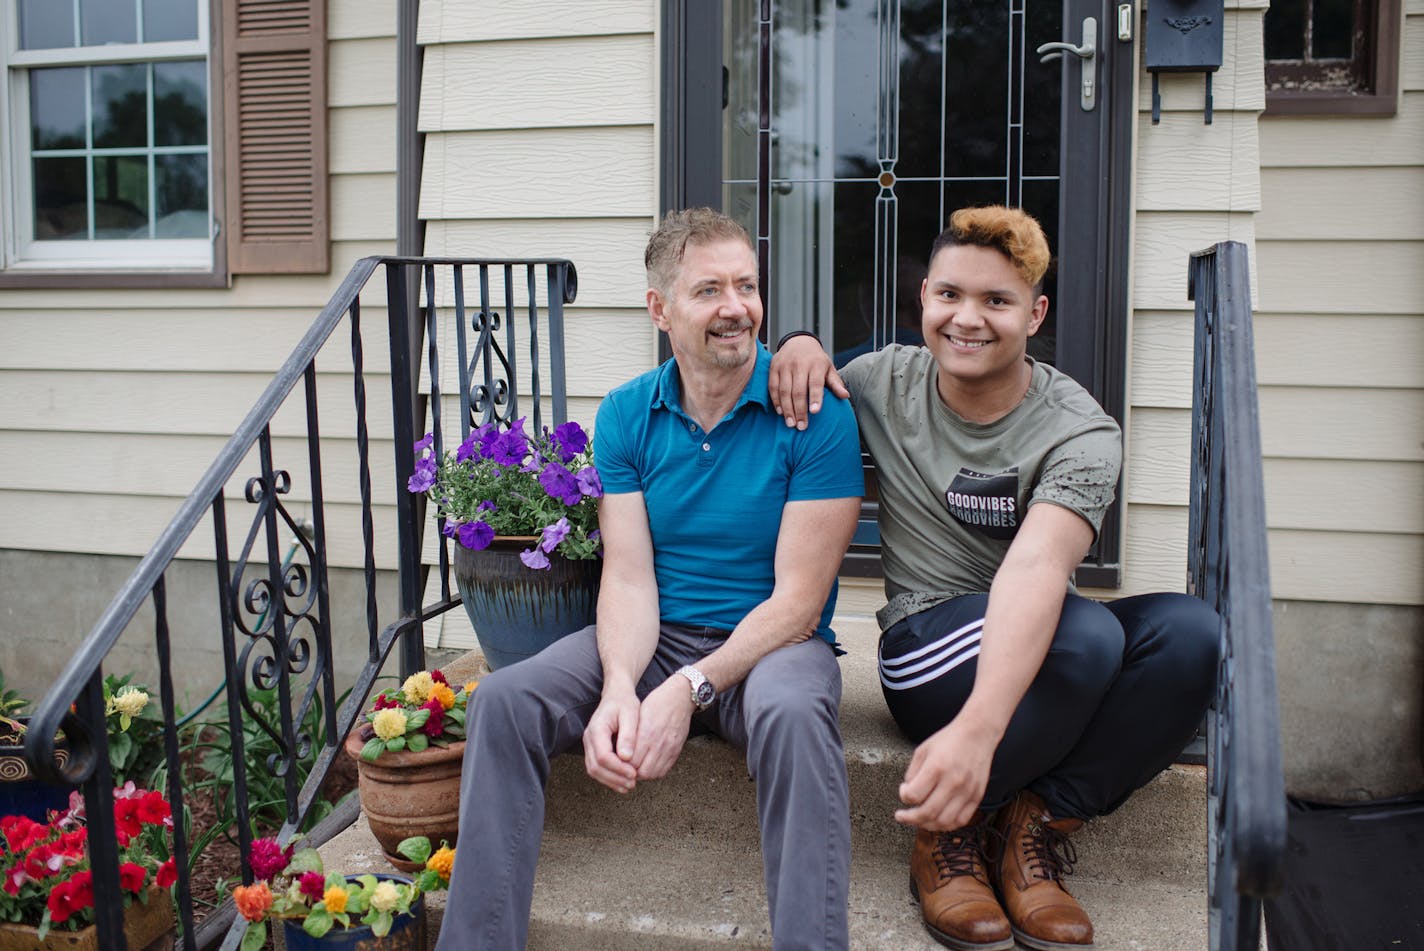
(783, 715)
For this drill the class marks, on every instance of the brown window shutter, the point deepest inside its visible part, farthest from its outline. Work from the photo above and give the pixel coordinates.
(274, 120)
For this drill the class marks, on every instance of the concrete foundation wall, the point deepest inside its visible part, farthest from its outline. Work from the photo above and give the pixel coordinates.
(49, 601)
(1351, 685)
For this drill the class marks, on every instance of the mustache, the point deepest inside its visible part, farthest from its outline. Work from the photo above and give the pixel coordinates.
(726, 326)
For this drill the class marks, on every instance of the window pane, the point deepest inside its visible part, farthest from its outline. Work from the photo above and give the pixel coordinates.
(120, 196)
(1285, 30)
(107, 21)
(1333, 36)
(182, 196)
(60, 207)
(45, 24)
(180, 103)
(57, 108)
(121, 106)
(169, 20)
(974, 81)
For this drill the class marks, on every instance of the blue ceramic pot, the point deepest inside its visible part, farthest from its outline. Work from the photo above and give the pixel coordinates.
(21, 794)
(518, 611)
(406, 934)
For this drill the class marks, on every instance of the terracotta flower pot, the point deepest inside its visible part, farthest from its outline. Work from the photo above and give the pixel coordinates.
(518, 611)
(146, 927)
(405, 794)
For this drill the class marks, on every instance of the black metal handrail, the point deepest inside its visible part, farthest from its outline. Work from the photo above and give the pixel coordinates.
(1227, 568)
(276, 627)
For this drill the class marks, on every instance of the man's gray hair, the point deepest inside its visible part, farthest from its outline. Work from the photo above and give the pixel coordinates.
(668, 244)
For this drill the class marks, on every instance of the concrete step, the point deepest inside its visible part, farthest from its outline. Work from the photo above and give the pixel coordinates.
(677, 864)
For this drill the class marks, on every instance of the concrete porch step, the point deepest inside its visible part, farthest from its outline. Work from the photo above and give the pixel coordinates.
(677, 863)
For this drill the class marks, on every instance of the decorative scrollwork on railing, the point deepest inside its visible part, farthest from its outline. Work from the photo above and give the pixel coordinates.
(488, 369)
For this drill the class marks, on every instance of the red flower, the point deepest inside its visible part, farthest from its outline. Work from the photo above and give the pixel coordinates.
(436, 724)
(153, 808)
(126, 820)
(36, 863)
(313, 886)
(69, 897)
(21, 832)
(267, 858)
(438, 677)
(131, 877)
(384, 702)
(167, 874)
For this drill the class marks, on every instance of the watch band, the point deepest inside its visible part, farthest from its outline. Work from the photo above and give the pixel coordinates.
(703, 692)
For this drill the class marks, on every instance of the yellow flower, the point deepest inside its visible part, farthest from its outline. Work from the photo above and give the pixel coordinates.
(417, 687)
(444, 694)
(442, 862)
(130, 701)
(389, 723)
(335, 899)
(470, 687)
(385, 896)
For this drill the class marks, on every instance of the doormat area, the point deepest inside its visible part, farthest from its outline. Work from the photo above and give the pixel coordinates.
(1354, 878)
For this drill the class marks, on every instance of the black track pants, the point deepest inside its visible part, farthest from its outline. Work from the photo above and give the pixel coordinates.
(1122, 690)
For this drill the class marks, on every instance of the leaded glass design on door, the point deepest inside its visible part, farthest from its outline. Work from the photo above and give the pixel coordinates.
(853, 128)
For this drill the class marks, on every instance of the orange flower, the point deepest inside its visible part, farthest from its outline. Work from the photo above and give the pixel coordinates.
(335, 899)
(444, 694)
(442, 862)
(253, 900)
(470, 687)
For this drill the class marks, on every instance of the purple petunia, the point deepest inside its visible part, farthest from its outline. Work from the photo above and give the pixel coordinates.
(555, 533)
(475, 536)
(424, 475)
(510, 448)
(425, 443)
(588, 482)
(559, 484)
(534, 558)
(570, 440)
(486, 506)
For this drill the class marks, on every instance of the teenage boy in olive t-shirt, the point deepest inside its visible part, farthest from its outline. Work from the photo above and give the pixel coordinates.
(1034, 708)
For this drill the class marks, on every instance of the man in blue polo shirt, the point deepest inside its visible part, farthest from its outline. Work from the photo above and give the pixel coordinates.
(722, 531)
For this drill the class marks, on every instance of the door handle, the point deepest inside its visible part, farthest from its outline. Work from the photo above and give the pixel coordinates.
(1087, 61)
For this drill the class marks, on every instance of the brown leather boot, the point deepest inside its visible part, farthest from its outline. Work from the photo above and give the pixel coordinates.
(1029, 876)
(949, 876)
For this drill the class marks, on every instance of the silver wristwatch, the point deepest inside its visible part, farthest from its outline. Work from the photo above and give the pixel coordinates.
(703, 693)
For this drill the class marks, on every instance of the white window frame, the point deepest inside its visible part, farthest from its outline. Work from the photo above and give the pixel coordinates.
(21, 251)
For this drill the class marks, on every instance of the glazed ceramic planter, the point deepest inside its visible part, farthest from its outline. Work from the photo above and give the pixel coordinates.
(517, 611)
(21, 794)
(407, 932)
(404, 794)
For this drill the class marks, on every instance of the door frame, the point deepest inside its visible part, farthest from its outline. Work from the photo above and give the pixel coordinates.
(1092, 347)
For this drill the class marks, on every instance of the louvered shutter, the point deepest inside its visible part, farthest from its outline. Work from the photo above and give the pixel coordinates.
(274, 89)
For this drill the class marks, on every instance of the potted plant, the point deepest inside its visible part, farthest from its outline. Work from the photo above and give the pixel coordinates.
(21, 793)
(47, 895)
(319, 907)
(408, 752)
(523, 512)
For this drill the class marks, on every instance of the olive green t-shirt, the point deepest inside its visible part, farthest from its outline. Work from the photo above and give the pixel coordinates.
(954, 493)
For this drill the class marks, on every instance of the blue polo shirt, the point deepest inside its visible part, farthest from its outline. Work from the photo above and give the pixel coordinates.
(714, 499)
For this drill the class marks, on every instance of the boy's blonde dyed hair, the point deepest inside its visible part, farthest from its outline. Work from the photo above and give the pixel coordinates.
(1012, 232)
(678, 229)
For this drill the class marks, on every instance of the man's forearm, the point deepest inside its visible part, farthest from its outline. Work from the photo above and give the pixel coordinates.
(771, 625)
(627, 634)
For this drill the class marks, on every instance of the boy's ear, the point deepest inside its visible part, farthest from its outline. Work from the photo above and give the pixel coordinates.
(1040, 310)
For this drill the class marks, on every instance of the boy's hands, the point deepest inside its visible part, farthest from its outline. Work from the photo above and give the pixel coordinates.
(800, 373)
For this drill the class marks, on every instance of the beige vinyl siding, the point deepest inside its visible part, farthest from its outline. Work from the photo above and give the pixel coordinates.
(1194, 185)
(1340, 341)
(541, 142)
(114, 402)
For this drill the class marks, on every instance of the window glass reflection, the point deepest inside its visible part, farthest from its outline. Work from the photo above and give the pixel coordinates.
(121, 196)
(57, 108)
(181, 187)
(165, 20)
(46, 24)
(180, 103)
(120, 106)
(61, 205)
(106, 21)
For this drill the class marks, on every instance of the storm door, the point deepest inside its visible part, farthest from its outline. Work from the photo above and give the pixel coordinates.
(842, 134)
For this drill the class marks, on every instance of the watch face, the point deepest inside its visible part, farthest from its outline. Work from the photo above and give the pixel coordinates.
(705, 692)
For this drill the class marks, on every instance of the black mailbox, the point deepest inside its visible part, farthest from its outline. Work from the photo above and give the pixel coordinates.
(1183, 36)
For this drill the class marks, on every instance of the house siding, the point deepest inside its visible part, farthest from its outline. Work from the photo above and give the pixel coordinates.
(114, 402)
(1340, 346)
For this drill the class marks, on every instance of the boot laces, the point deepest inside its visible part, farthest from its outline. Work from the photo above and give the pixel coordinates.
(963, 851)
(1048, 852)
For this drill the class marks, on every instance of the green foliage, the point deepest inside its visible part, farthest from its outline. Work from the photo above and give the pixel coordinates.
(135, 726)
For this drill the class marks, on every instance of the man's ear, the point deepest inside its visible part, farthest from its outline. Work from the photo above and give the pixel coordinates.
(657, 308)
(1040, 310)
